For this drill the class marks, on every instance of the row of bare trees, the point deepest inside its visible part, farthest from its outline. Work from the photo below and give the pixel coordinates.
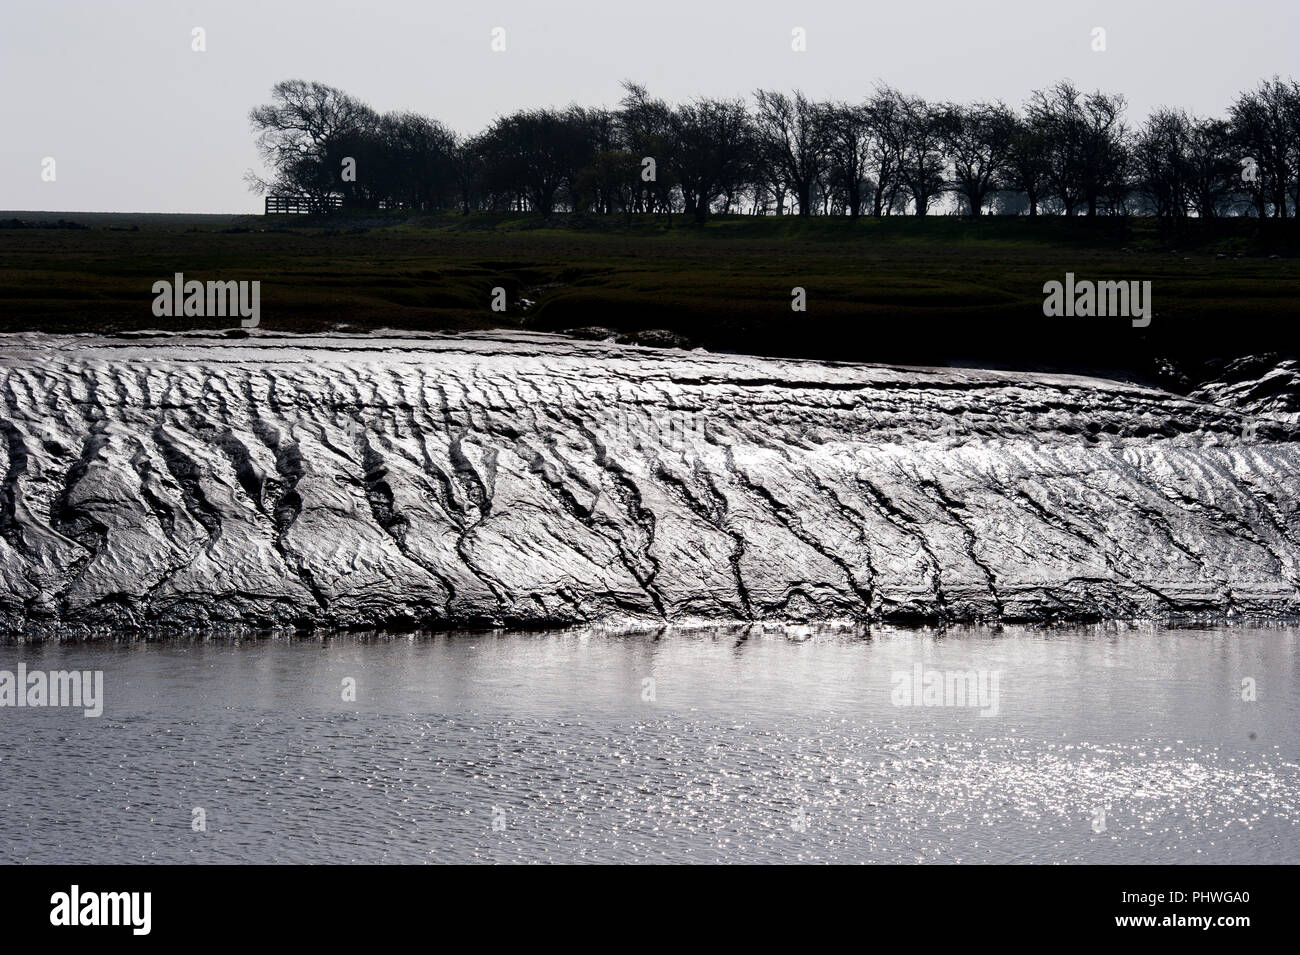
(1064, 151)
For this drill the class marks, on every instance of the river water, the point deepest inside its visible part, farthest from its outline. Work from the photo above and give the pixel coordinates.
(1105, 744)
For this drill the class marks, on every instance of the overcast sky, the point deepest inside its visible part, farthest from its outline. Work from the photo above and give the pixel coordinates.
(139, 122)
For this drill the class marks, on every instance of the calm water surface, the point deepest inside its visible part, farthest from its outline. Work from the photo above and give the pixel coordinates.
(1108, 745)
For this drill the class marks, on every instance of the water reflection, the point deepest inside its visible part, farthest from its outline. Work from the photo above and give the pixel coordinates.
(1108, 744)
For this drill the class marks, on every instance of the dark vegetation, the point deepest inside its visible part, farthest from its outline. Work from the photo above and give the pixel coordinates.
(692, 223)
(895, 289)
(1064, 151)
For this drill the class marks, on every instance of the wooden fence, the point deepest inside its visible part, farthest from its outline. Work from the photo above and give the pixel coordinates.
(298, 205)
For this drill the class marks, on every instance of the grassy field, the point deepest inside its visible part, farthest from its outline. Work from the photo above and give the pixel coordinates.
(896, 289)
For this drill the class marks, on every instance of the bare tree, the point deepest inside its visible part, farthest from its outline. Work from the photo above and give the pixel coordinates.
(299, 134)
(1265, 126)
(646, 127)
(414, 162)
(1069, 152)
(1212, 169)
(1085, 138)
(1027, 165)
(978, 141)
(1057, 113)
(923, 167)
(1161, 150)
(1105, 154)
(888, 119)
(792, 136)
(536, 157)
(711, 151)
(848, 152)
